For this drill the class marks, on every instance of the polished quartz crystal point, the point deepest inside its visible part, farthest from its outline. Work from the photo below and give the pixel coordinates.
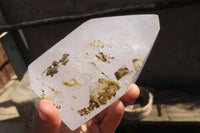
(93, 66)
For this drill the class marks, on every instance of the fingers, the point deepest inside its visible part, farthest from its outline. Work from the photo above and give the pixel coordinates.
(112, 118)
(131, 95)
(48, 118)
(99, 117)
(115, 111)
(49, 113)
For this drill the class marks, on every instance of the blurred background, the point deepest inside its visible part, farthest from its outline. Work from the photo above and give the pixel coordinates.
(28, 28)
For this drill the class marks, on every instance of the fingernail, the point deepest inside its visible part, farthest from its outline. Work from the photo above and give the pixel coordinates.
(131, 87)
(134, 88)
(42, 116)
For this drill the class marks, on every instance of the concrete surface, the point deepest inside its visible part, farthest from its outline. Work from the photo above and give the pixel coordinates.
(25, 100)
(7, 109)
(9, 116)
(174, 111)
(172, 105)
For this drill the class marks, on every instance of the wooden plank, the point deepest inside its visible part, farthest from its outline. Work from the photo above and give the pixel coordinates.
(3, 56)
(174, 112)
(10, 70)
(13, 54)
(6, 69)
(174, 105)
(1, 83)
(4, 75)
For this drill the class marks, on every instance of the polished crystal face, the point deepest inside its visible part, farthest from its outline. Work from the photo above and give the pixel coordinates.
(93, 66)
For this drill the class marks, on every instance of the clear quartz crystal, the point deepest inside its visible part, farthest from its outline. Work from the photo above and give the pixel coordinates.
(88, 58)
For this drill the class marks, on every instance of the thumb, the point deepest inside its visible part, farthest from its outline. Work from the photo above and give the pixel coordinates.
(47, 119)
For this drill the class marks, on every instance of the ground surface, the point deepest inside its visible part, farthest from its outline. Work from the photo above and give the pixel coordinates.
(9, 117)
(174, 110)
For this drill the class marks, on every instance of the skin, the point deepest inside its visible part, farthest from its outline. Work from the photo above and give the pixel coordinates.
(47, 119)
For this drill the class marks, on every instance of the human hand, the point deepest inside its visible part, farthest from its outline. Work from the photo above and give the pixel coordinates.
(48, 120)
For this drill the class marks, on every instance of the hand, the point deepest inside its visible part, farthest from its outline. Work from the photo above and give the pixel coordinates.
(48, 119)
